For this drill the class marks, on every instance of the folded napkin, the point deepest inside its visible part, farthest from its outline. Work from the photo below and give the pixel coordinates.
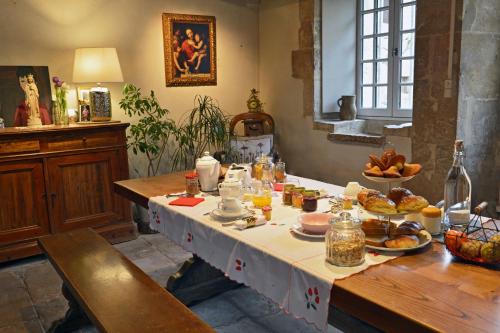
(186, 201)
(278, 187)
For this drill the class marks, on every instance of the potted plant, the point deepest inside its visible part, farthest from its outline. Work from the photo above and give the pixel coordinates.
(205, 127)
(150, 136)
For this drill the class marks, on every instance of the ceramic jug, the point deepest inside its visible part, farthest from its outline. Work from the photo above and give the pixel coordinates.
(347, 107)
(208, 169)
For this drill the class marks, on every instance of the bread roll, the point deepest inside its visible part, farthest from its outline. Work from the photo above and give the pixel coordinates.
(407, 228)
(404, 241)
(397, 193)
(374, 227)
(378, 241)
(412, 203)
(379, 204)
(365, 193)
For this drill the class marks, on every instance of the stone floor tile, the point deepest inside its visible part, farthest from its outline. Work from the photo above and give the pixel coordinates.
(32, 326)
(42, 281)
(135, 249)
(244, 325)
(251, 303)
(217, 312)
(153, 262)
(282, 322)
(15, 303)
(52, 310)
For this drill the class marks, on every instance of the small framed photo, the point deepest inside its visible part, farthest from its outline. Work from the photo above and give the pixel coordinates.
(83, 95)
(189, 47)
(84, 113)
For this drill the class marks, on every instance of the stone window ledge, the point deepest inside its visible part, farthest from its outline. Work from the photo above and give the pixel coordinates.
(362, 131)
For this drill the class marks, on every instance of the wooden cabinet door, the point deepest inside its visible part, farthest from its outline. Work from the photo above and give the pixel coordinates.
(23, 206)
(81, 193)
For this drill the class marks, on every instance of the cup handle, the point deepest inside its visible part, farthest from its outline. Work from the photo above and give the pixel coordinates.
(220, 205)
(338, 102)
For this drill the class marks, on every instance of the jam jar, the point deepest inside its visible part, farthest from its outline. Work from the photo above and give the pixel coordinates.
(309, 201)
(192, 187)
(345, 241)
(297, 197)
(287, 194)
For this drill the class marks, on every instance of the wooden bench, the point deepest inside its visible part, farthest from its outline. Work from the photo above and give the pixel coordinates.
(106, 289)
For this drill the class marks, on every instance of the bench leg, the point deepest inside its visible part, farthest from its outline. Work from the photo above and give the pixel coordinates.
(197, 281)
(75, 317)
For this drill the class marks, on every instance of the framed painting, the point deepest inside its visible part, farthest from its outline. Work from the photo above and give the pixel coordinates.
(25, 95)
(190, 53)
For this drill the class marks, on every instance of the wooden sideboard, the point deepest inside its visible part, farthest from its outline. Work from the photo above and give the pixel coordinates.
(59, 178)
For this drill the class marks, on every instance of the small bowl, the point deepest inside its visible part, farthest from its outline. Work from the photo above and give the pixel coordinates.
(315, 223)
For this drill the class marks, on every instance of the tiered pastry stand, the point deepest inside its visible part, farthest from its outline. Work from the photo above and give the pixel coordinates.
(388, 181)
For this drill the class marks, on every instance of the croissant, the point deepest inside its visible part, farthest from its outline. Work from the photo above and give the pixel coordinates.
(365, 194)
(412, 203)
(397, 193)
(380, 204)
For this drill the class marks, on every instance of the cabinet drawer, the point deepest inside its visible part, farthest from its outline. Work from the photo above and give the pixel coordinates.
(87, 140)
(19, 146)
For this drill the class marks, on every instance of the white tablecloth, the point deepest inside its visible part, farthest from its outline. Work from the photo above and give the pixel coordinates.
(291, 271)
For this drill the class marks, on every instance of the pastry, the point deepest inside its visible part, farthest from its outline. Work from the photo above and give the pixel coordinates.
(374, 172)
(386, 156)
(365, 193)
(471, 248)
(378, 241)
(374, 227)
(406, 228)
(397, 193)
(368, 166)
(490, 251)
(411, 169)
(412, 203)
(392, 172)
(380, 204)
(404, 241)
(376, 162)
(398, 161)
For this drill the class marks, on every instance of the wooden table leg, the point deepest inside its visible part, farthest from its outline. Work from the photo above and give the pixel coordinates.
(75, 317)
(197, 281)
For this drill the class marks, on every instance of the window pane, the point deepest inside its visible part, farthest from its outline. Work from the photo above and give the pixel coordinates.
(382, 47)
(367, 4)
(366, 97)
(367, 49)
(406, 97)
(407, 44)
(406, 71)
(382, 74)
(406, 1)
(382, 97)
(368, 73)
(382, 3)
(383, 22)
(368, 24)
(408, 18)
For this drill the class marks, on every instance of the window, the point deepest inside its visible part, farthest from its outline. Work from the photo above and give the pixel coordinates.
(385, 57)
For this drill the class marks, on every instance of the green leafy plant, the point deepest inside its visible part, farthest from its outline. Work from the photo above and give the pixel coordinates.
(154, 129)
(204, 127)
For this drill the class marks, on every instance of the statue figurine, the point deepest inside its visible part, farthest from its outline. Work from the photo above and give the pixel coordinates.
(31, 100)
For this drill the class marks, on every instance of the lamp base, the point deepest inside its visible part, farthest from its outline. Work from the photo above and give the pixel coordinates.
(100, 104)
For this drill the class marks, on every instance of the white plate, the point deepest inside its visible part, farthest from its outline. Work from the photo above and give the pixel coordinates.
(219, 215)
(297, 229)
(388, 180)
(424, 238)
(397, 216)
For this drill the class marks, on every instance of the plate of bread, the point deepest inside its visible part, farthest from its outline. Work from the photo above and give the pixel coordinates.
(397, 203)
(389, 236)
(390, 167)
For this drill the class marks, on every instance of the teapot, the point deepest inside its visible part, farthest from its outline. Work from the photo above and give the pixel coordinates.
(208, 169)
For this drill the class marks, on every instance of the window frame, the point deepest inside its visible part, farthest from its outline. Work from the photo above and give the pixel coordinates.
(393, 85)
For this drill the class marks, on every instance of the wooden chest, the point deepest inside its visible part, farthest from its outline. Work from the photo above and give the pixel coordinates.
(58, 178)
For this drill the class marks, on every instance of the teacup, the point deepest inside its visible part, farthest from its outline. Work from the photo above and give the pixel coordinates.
(230, 205)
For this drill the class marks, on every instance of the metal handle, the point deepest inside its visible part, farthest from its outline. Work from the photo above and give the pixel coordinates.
(53, 196)
(395, 52)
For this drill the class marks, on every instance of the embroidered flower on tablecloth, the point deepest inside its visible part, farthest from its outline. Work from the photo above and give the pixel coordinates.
(240, 265)
(374, 253)
(189, 237)
(312, 298)
(156, 217)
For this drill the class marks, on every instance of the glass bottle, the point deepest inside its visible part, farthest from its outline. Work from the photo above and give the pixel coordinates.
(345, 241)
(457, 190)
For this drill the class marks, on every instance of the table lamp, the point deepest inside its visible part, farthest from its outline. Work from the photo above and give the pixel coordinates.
(97, 65)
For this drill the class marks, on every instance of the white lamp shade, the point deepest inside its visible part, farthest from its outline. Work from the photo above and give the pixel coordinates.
(94, 65)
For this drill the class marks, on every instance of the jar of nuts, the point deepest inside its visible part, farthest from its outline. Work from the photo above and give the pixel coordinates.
(345, 241)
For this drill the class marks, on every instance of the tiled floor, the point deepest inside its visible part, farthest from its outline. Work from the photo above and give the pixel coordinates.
(30, 294)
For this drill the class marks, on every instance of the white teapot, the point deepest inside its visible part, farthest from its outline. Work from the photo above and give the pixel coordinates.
(208, 169)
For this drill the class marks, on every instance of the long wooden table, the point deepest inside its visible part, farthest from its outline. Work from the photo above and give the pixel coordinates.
(427, 290)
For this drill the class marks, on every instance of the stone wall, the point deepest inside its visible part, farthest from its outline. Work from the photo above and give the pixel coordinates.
(434, 116)
(479, 96)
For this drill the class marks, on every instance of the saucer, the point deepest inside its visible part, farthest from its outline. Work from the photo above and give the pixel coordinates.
(219, 214)
(298, 230)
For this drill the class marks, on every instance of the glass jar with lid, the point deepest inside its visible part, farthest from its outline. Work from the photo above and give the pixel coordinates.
(263, 168)
(345, 241)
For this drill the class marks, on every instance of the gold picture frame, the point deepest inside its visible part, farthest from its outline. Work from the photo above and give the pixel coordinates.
(189, 50)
